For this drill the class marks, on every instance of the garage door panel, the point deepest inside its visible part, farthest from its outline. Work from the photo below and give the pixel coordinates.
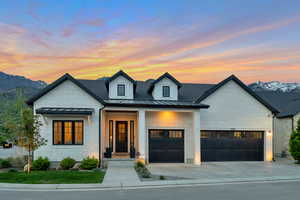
(166, 146)
(232, 146)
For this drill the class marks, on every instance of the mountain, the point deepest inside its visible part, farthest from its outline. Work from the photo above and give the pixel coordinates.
(9, 84)
(275, 86)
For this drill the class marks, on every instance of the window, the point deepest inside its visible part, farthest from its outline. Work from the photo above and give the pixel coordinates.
(121, 90)
(166, 91)
(131, 133)
(111, 124)
(68, 132)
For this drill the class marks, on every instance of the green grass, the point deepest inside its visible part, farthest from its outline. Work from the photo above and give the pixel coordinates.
(52, 177)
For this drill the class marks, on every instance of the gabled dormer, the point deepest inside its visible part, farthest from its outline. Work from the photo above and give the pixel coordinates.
(121, 86)
(165, 88)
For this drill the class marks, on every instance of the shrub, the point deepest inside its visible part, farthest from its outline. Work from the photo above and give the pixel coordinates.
(89, 163)
(67, 163)
(13, 170)
(139, 164)
(41, 164)
(18, 162)
(5, 163)
(162, 178)
(295, 143)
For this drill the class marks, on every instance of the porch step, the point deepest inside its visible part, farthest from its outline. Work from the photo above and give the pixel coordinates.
(120, 163)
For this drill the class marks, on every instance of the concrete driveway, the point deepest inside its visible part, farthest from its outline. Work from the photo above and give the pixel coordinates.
(223, 170)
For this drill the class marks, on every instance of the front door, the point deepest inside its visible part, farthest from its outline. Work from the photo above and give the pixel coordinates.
(121, 136)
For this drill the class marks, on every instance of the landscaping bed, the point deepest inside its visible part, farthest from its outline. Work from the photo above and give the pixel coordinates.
(53, 177)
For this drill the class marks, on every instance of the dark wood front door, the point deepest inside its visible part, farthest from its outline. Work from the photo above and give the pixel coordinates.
(121, 136)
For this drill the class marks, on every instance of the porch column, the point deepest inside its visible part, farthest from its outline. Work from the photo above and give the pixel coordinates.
(196, 130)
(142, 134)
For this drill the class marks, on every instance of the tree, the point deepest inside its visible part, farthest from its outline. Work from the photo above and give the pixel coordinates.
(27, 131)
(10, 110)
(295, 143)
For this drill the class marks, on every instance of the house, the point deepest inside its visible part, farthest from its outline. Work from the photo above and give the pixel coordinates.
(160, 120)
(288, 105)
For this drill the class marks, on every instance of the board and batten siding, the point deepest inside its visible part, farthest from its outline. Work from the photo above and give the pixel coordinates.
(231, 107)
(67, 94)
(113, 88)
(157, 92)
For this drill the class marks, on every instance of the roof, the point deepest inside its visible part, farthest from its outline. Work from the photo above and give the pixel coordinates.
(242, 85)
(165, 75)
(154, 103)
(189, 95)
(120, 73)
(73, 111)
(288, 103)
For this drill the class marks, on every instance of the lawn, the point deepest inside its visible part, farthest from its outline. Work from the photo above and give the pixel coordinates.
(52, 177)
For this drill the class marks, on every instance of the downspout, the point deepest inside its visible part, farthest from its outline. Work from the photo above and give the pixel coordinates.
(100, 135)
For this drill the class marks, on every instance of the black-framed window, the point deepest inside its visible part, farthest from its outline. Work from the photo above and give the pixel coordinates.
(131, 133)
(166, 91)
(121, 90)
(111, 129)
(68, 132)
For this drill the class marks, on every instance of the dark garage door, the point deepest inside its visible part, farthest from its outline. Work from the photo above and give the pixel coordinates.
(166, 146)
(232, 145)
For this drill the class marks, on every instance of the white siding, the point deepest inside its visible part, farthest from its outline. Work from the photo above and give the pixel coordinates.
(231, 107)
(69, 95)
(157, 91)
(15, 151)
(113, 88)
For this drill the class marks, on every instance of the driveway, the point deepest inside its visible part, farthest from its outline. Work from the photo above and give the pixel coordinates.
(223, 170)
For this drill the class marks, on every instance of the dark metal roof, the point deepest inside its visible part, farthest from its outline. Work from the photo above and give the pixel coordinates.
(165, 75)
(57, 110)
(288, 103)
(153, 103)
(242, 85)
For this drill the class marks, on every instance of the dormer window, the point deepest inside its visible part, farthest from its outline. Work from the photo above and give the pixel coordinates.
(121, 90)
(166, 91)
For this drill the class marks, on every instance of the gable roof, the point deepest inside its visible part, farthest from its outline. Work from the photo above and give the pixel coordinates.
(165, 75)
(243, 86)
(121, 73)
(57, 83)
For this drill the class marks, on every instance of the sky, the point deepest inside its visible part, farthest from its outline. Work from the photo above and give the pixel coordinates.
(196, 41)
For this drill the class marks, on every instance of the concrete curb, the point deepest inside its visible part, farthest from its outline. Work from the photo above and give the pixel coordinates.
(145, 184)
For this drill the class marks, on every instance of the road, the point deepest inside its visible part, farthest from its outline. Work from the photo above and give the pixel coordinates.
(244, 191)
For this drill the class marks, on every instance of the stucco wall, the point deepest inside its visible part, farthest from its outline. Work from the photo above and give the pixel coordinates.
(157, 91)
(231, 107)
(172, 120)
(113, 89)
(69, 95)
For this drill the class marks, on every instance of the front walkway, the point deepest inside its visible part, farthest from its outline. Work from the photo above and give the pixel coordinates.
(120, 173)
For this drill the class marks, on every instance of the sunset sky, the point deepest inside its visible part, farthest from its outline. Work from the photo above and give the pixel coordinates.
(196, 41)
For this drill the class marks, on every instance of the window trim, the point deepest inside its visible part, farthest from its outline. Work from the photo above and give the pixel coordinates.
(119, 86)
(163, 91)
(63, 132)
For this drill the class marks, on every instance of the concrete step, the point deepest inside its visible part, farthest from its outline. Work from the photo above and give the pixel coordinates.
(120, 163)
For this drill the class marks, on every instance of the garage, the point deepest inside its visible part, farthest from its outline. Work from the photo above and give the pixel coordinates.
(166, 146)
(232, 146)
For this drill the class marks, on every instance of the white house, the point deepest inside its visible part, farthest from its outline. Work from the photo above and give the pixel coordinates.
(159, 120)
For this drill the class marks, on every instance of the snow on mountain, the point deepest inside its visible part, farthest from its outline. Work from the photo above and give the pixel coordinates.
(275, 86)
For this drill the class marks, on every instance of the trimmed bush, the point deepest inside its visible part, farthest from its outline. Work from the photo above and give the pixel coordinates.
(142, 170)
(295, 143)
(89, 163)
(41, 164)
(139, 164)
(67, 163)
(5, 163)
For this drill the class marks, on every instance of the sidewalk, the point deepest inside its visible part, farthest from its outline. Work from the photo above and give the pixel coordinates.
(145, 184)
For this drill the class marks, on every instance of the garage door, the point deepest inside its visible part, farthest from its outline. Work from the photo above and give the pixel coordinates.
(232, 145)
(166, 146)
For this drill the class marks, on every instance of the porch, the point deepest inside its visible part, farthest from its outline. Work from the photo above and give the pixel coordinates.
(151, 135)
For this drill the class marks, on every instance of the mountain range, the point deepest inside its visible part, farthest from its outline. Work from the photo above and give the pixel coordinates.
(9, 84)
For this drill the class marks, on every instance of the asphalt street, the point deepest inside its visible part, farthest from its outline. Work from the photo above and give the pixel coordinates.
(238, 191)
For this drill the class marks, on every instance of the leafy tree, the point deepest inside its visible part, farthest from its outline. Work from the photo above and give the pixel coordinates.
(295, 143)
(11, 111)
(27, 132)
